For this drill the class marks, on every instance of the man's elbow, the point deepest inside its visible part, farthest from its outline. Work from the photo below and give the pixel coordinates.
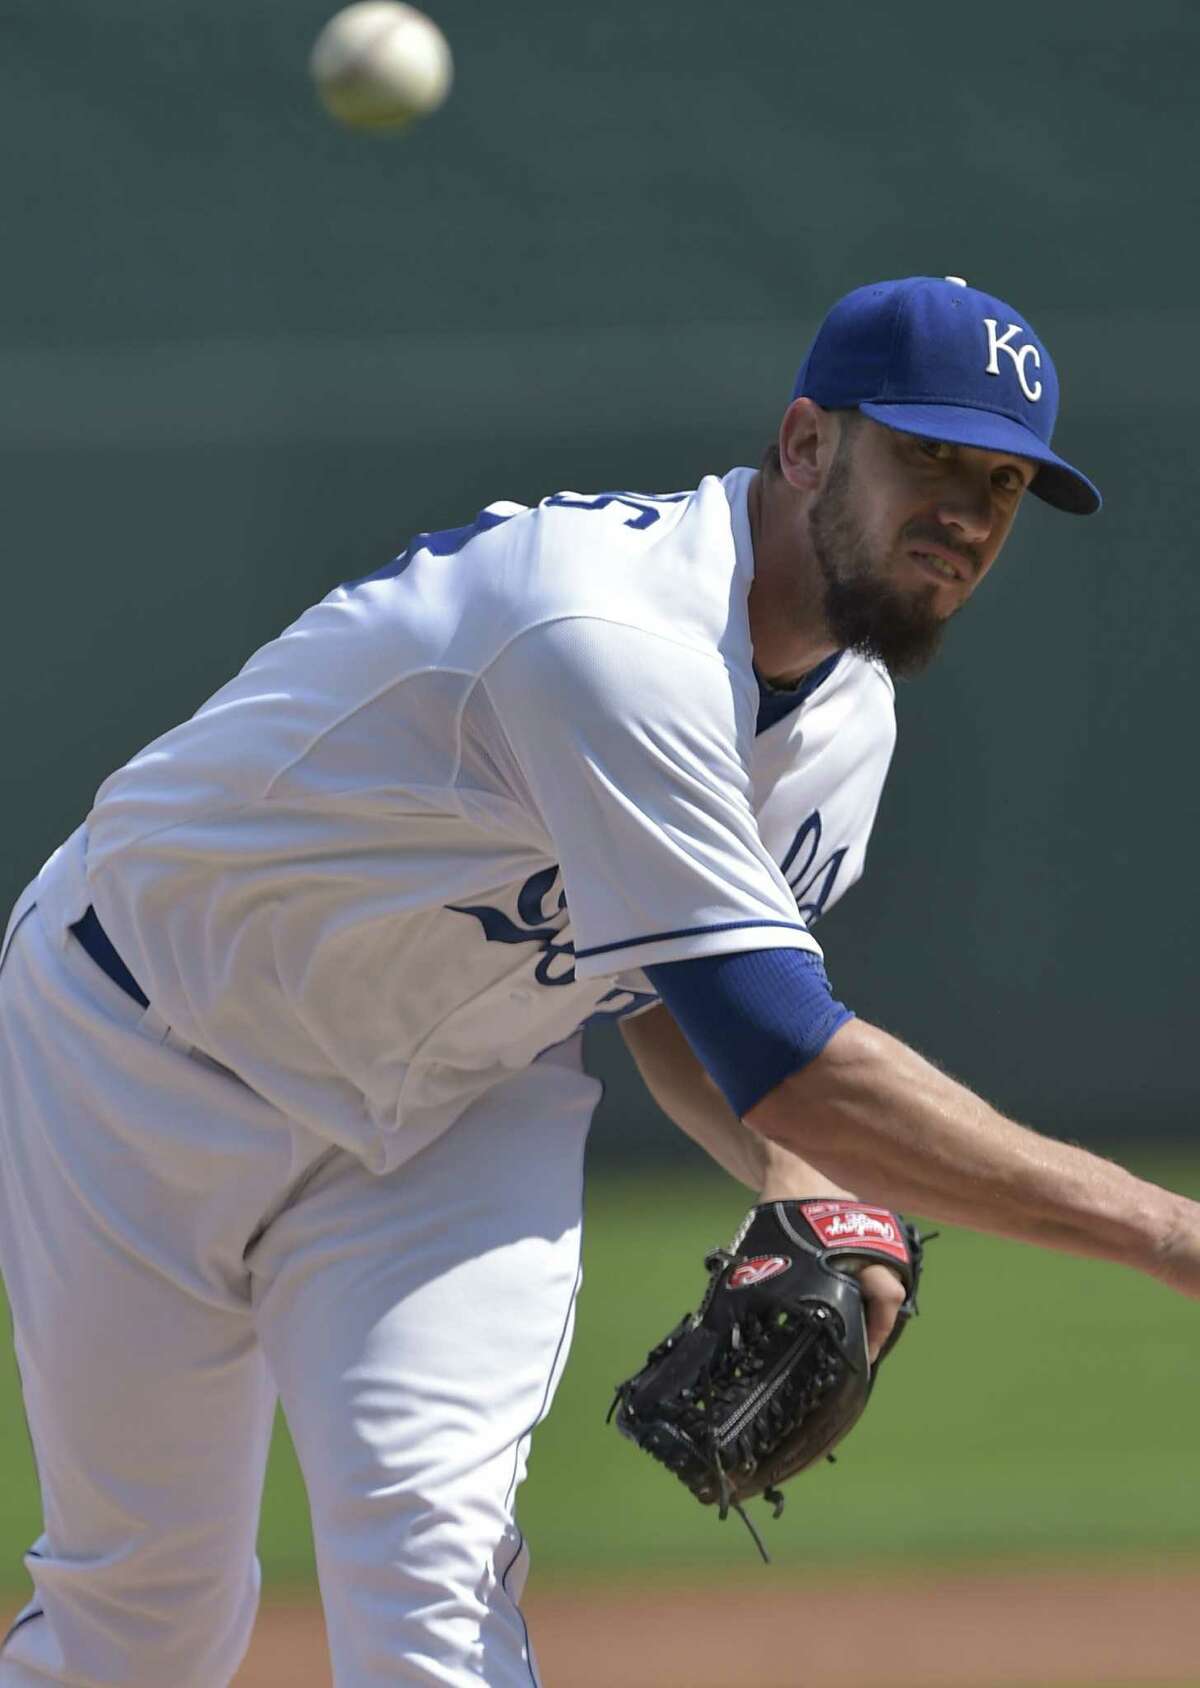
(798, 1111)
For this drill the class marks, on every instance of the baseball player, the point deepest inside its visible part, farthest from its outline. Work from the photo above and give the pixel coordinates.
(291, 1102)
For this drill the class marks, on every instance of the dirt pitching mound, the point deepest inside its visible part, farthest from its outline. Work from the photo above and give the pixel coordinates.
(1061, 1629)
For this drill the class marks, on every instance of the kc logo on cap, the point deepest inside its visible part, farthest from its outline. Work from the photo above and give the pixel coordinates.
(998, 343)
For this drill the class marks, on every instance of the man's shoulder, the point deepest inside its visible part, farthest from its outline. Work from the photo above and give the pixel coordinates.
(575, 525)
(635, 525)
(664, 562)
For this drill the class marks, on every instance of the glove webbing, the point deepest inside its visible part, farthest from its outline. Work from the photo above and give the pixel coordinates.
(818, 1326)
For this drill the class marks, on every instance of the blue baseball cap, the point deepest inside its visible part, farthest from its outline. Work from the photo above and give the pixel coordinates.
(931, 356)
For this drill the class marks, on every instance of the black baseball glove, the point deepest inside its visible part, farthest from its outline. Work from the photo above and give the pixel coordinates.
(772, 1371)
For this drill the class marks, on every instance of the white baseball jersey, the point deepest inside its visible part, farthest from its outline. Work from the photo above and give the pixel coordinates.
(453, 810)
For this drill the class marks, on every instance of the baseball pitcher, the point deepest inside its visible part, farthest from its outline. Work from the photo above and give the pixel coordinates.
(291, 1100)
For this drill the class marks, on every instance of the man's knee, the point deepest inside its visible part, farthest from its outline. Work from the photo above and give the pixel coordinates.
(98, 1625)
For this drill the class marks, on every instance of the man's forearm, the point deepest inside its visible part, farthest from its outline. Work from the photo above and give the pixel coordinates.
(688, 1096)
(871, 1112)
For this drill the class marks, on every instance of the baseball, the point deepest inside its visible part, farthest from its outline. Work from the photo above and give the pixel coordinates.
(379, 65)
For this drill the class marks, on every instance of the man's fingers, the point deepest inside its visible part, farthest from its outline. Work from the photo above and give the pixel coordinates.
(883, 1296)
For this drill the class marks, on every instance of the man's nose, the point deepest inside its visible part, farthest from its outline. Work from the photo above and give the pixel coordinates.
(966, 505)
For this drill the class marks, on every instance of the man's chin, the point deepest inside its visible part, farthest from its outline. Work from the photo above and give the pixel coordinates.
(903, 636)
(904, 660)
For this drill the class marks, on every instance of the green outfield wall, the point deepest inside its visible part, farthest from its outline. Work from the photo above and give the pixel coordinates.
(246, 354)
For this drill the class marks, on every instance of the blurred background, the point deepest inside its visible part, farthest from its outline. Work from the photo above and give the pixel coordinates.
(247, 354)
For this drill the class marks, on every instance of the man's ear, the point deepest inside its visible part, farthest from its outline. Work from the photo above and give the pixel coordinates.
(808, 439)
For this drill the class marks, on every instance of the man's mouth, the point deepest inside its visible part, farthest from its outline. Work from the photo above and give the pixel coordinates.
(943, 561)
(939, 565)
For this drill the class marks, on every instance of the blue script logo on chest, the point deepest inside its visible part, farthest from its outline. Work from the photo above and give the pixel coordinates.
(532, 925)
(541, 902)
(812, 880)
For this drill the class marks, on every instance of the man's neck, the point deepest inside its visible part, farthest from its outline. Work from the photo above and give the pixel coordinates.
(787, 618)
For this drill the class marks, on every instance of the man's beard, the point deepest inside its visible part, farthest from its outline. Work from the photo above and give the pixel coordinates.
(863, 612)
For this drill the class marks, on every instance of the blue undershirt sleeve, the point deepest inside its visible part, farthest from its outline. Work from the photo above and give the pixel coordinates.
(753, 1017)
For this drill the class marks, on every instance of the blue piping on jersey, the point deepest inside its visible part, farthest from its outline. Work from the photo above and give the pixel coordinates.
(25, 1618)
(774, 704)
(512, 1487)
(689, 932)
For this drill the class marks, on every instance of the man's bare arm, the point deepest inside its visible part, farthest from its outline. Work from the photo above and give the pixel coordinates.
(872, 1112)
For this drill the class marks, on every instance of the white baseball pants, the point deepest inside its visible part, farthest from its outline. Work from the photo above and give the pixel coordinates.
(175, 1253)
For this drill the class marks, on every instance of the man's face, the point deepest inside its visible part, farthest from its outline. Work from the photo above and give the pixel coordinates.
(904, 529)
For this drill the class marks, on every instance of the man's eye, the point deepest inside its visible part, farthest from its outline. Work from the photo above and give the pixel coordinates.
(939, 450)
(1009, 480)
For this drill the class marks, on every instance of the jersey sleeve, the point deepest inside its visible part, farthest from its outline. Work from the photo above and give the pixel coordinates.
(753, 1018)
(632, 751)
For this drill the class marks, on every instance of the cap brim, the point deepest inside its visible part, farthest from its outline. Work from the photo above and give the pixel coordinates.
(1056, 481)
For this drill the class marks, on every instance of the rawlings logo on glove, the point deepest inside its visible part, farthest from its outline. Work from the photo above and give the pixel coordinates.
(834, 1222)
(758, 1271)
(772, 1372)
